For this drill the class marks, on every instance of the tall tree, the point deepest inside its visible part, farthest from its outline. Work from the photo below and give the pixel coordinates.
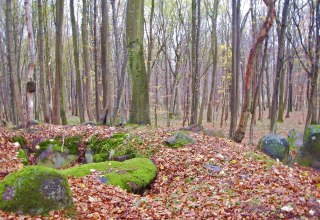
(279, 67)
(76, 62)
(214, 52)
(195, 83)
(85, 44)
(58, 100)
(31, 84)
(139, 113)
(246, 108)
(95, 42)
(43, 73)
(12, 63)
(234, 100)
(107, 79)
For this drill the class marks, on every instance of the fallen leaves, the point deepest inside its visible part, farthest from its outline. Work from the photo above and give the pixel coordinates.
(213, 179)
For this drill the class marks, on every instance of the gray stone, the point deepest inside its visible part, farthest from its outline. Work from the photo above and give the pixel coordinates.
(275, 146)
(179, 139)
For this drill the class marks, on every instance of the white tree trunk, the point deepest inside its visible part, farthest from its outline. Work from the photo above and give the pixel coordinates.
(31, 85)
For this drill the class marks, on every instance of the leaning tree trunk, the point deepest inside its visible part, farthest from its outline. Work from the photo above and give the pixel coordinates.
(140, 89)
(242, 126)
(12, 64)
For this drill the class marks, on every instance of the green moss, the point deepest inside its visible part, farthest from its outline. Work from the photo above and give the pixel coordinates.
(132, 175)
(69, 143)
(20, 139)
(179, 143)
(23, 156)
(120, 144)
(34, 190)
(261, 157)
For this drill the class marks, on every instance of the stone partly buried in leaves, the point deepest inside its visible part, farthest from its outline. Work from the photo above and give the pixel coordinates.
(275, 146)
(34, 190)
(309, 153)
(179, 139)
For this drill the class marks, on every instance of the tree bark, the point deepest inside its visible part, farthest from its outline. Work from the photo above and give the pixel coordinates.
(195, 62)
(31, 84)
(58, 88)
(140, 89)
(43, 73)
(279, 67)
(107, 79)
(214, 51)
(12, 64)
(76, 63)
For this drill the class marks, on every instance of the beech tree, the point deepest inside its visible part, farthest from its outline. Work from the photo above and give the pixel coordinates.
(139, 113)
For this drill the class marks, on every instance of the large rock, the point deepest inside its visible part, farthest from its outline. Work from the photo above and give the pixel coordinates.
(295, 139)
(133, 175)
(34, 190)
(120, 144)
(179, 139)
(58, 153)
(309, 154)
(275, 146)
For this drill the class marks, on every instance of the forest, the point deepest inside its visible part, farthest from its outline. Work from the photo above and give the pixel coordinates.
(153, 109)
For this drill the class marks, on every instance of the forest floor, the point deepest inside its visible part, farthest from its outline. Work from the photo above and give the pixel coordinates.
(249, 185)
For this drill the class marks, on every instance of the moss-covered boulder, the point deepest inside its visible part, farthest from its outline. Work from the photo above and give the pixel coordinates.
(58, 152)
(119, 145)
(34, 190)
(179, 139)
(275, 146)
(133, 175)
(309, 154)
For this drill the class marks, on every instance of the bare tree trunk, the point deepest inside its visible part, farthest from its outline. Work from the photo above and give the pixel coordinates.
(107, 79)
(31, 84)
(96, 78)
(140, 89)
(214, 51)
(242, 126)
(43, 73)
(76, 63)
(150, 41)
(85, 44)
(57, 86)
(12, 64)
(279, 67)
(195, 84)
(234, 100)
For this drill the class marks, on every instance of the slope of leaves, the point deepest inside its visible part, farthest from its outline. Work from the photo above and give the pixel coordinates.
(213, 179)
